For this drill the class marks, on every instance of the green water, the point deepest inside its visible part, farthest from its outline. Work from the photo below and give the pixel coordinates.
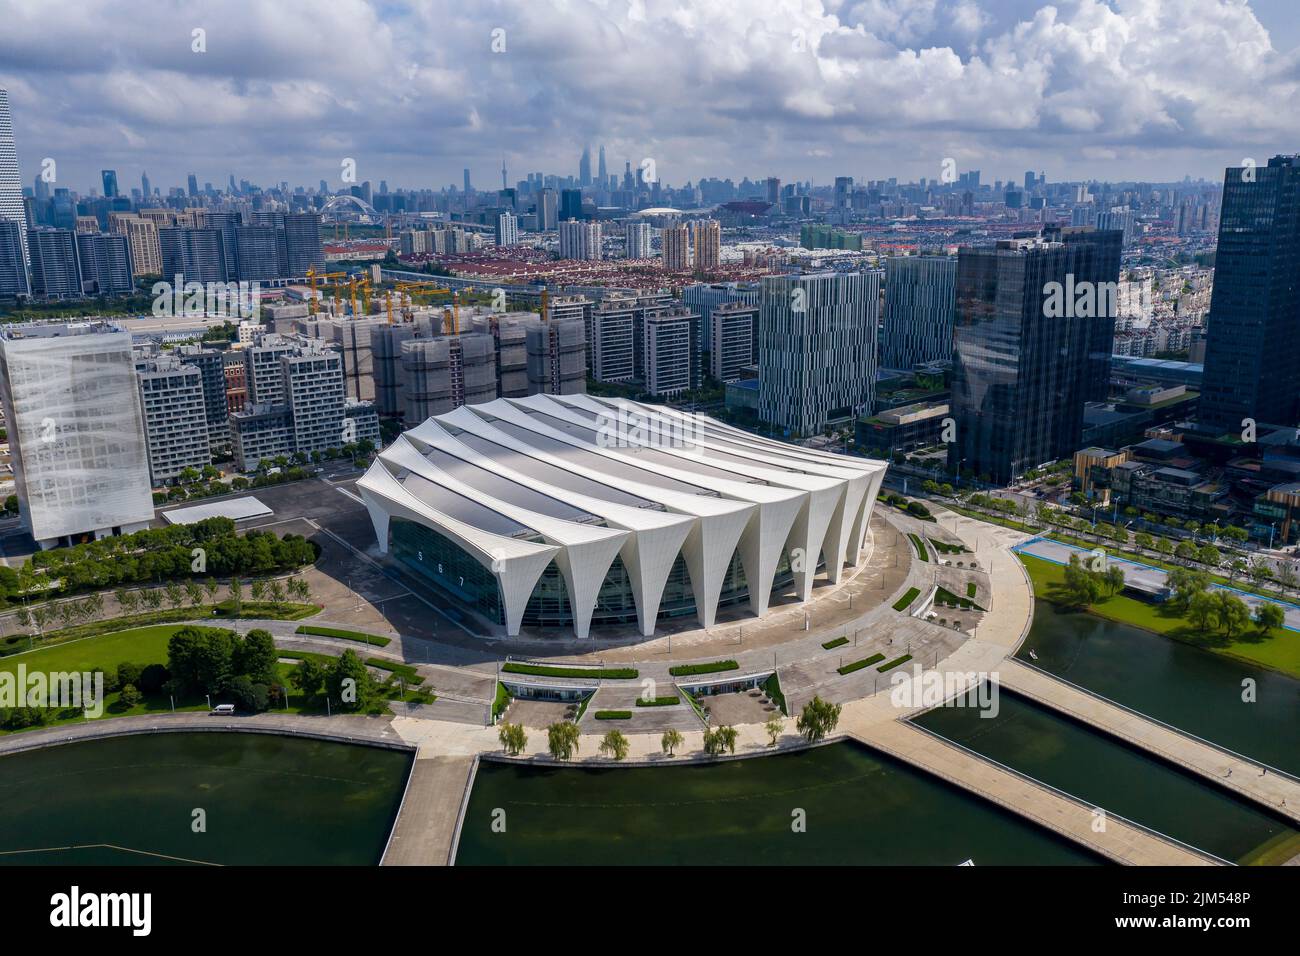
(1111, 775)
(860, 808)
(267, 800)
(1189, 688)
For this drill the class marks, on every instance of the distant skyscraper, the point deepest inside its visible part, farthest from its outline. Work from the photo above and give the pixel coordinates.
(193, 185)
(196, 254)
(109, 178)
(584, 167)
(75, 430)
(302, 244)
(570, 204)
(603, 173)
(1022, 369)
(548, 209)
(144, 186)
(773, 190)
(817, 348)
(11, 187)
(468, 187)
(920, 296)
(1252, 353)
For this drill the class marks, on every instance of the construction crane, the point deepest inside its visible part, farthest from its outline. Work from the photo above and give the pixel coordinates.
(430, 288)
(312, 276)
(357, 284)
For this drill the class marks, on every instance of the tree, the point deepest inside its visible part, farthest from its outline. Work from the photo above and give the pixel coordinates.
(562, 739)
(275, 592)
(1143, 540)
(211, 588)
(194, 593)
(236, 595)
(817, 719)
(1209, 554)
(1235, 567)
(1260, 571)
(126, 600)
(513, 738)
(152, 598)
(1113, 579)
(1165, 546)
(308, 677)
(670, 741)
(1234, 616)
(174, 593)
(1202, 608)
(720, 740)
(349, 682)
(1269, 616)
(1185, 583)
(614, 744)
(201, 659)
(1285, 575)
(248, 694)
(774, 726)
(129, 696)
(1083, 586)
(1186, 551)
(258, 590)
(256, 656)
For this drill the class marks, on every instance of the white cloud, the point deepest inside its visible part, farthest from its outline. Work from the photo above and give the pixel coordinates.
(750, 87)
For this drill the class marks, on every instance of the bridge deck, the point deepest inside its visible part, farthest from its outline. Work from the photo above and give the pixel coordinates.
(426, 825)
(1279, 793)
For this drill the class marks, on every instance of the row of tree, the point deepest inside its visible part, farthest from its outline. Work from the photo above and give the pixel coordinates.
(817, 719)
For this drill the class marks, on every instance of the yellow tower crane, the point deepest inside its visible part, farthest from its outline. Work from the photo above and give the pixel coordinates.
(312, 276)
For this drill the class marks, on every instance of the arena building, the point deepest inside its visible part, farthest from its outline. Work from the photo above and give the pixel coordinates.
(571, 511)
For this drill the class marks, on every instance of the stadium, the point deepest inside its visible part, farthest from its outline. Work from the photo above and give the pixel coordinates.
(573, 512)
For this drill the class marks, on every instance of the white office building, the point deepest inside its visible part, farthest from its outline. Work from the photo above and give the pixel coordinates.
(11, 187)
(76, 431)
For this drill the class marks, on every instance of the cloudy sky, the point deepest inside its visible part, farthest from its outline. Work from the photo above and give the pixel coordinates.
(801, 89)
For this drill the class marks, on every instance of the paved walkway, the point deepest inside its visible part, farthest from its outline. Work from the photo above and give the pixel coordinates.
(1248, 779)
(425, 831)
(1115, 839)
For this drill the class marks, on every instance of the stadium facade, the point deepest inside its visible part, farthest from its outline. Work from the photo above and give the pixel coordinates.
(577, 512)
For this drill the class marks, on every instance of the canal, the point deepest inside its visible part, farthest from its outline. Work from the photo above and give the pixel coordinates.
(858, 807)
(226, 798)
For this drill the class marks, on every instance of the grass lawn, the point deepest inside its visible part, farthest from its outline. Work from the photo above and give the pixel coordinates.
(346, 635)
(1278, 649)
(919, 547)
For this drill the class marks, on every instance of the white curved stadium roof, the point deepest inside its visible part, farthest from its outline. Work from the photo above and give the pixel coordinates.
(579, 481)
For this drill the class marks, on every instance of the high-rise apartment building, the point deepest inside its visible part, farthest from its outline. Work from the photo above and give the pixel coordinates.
(302, 244)
(580, 240)
(211, 364)
(507, 233)
(920, 299)
(173, 405)
(735, 326)
(1252, 354)
(611, 348)
(548, 208)
(142, 236)
(1029, 313)
(56, 271)
(105, 263)
(198, 255)
(817, 348)
(75, 430)
(670, 356)
(13, 265)
(11, 187)
(638, 236)
(706, 236)
(676, 247)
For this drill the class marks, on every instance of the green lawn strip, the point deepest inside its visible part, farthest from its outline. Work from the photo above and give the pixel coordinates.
(858, 665)
(772, 687)
(838, 642)
(906, 600)
(613, 715)
(501, 701)
(712, 667)
(894, 663)
(601, 673)
(1277, 650)
(318, 631)
(16, 643)
(659, 701)
(695, 704)
(946, 598)
(994, 519)
(404, 671)
(971, 589)
(582, 707)
(919, 546)
(944, 548)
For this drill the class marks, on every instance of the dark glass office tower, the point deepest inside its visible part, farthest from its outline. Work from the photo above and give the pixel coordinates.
(1252, 350)
(302, 244)
(1022, 370)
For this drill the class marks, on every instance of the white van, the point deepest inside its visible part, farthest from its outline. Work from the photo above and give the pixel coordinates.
(223, 710)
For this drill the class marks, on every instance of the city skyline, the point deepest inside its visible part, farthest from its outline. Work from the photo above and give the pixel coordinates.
(873, 89)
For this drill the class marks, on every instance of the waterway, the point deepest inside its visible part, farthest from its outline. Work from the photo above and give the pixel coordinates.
(222, 798)
(856, 807)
